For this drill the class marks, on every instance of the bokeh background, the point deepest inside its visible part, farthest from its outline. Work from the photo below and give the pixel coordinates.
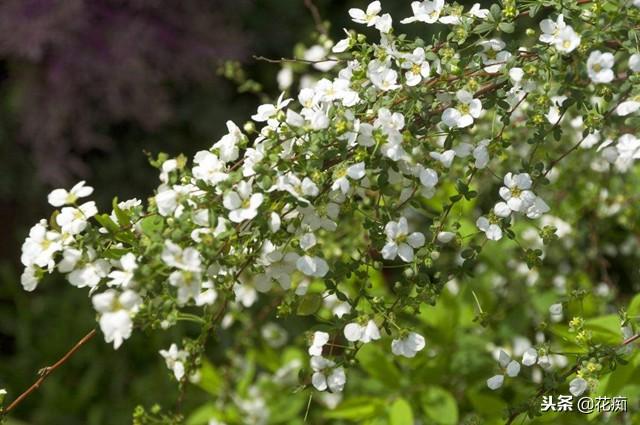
(86, 88)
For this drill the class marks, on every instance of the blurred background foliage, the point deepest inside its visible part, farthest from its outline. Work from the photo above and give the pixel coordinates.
(88, 86)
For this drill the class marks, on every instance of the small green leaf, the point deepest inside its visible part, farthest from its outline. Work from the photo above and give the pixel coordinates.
(309, 304)
(152, 226)
(507, 27)
(105, 221)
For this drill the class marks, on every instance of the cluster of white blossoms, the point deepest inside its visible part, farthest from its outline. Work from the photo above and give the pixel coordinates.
(559, 34)
(267, 207)
(518, 197)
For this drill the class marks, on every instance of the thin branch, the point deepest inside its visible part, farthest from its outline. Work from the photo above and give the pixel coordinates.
(45, 372)
(295, 60)
(315, 13)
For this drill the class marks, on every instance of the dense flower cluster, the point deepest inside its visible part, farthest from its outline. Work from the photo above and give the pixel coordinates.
(357, 173)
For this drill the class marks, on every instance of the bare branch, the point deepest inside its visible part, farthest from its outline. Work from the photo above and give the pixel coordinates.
(46, 371)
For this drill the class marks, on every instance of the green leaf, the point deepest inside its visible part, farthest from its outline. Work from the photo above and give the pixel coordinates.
(507, 27)
(484, 27)
(634, 306)
(377, 364)
(309, 304)
(439, 406)
(400, 412)
(105, 221)
(202, 415)
(357, 409)
(210, 379)
(152, 226)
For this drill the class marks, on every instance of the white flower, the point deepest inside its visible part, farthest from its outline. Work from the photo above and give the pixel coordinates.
(530, 356)
(408, 346)
(400, 242)
(558, 33)
(317, 55)
(90, 274)
(370, 17)
(516, 191)
(242, 203)
(116, 311)
(511, 368)
(208, 296)
(74, 220)
(495, 382)
(537, 208)
(599, 67)
(492, 230)
(428, 178)
(476, 12)
(481, 154)
(326, 375)
(493, 56)
(40, 246)
(60, 197)
(300, 189)
(245, 294)
(319, 340)
(634, 62)
(307, 241)
(28, 279)
(209, 168)
(445, 158)
(274, 222)
(567, 41)
(551, 29)
(285, 78)
(465, 111)
(628, 107)
(188, 283)
(577, 386)
(174, 256)
(417, 67)
(228, 145)
(268, 111)
(425, 11)
(175, 360)
(312, 266)
(382, 76)
(445, 237)
(70, 257)
(354, 172)
(169, 199)
(355, 332)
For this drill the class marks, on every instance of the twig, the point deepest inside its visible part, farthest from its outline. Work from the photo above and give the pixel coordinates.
(295, 60)
(45, 372)
(315, 13)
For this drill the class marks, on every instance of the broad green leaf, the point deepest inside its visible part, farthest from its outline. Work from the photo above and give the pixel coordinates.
(439, 406)
(379, 365)
(152, 226)
(400, 412)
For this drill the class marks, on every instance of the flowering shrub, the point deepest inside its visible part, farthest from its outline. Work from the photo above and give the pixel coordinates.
(343, 254)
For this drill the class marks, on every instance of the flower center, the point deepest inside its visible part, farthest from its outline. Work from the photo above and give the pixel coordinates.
(463, 108)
